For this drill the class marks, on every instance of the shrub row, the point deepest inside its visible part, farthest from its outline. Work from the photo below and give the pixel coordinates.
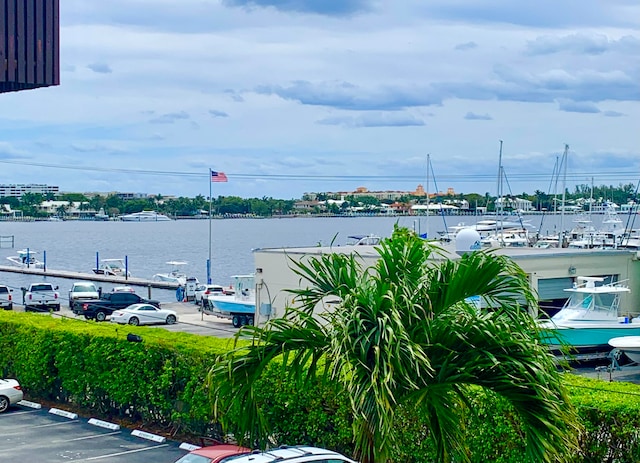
(160, 382)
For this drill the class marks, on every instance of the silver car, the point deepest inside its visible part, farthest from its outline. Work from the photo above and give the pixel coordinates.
(10, 393)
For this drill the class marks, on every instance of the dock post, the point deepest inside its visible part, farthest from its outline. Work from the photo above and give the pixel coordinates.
(149, 292)
(44, 261)
(97, 261)
(126, 267)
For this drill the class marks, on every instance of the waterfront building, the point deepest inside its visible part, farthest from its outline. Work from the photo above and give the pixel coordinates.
(17, 190)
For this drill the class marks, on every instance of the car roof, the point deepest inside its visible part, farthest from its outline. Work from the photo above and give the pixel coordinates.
(217, 452)
(286, 453)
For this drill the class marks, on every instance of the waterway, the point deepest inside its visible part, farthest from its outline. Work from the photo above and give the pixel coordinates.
(75, 245)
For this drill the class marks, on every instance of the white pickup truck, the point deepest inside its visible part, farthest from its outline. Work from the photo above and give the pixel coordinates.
(41, 296)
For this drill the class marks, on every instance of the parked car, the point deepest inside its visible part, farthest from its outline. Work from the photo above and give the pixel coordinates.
(108, 303)
(203, 291)
(144, 314)
(285, 454)
(213, 454)
(10, 393)
(81, 291)
(6, 300)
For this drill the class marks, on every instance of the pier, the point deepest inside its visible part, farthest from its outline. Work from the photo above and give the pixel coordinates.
(90, 276)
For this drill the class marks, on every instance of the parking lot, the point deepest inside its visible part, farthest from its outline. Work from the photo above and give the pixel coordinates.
(28, 434)
(190, 320)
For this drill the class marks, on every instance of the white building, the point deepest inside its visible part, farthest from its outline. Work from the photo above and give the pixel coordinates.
(17, 190)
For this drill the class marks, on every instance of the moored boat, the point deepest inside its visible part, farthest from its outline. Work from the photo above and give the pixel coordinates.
(112, 267)
(629, 345)
(175, 275)
(145, 216)
(26, 258)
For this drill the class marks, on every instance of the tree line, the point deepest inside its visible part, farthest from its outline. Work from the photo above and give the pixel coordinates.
(582, 196)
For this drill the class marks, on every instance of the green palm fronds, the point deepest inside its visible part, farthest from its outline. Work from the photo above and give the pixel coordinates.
(403, 331)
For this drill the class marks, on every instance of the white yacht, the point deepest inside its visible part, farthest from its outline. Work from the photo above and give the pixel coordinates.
(145, 216)
(26, 258)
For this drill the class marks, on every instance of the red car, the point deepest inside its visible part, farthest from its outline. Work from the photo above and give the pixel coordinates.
(213, 454)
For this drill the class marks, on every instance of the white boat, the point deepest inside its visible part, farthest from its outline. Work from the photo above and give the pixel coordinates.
(363, 240)
(26, 258)
(175, 275)
(101, 216)
(629, 345)
(145, 216)
(590, 317)
(514, 238)
(112, 267)
(239, 307)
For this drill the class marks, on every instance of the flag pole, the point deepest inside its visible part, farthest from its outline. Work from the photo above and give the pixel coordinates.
(210, 202)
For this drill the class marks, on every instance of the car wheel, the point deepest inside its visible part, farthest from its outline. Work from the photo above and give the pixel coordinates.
(250, 321)
(134, 321)
(10, 306)
(100, 316)
(171, 319)
(4, 403)
(235, 321)
(56, 308)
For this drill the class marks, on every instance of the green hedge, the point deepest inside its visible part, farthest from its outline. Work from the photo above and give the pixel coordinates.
(160, 382)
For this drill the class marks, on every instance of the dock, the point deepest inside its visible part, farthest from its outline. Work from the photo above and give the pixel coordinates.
(118, 280)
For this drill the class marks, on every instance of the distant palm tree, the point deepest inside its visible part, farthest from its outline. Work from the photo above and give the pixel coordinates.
(407, 331)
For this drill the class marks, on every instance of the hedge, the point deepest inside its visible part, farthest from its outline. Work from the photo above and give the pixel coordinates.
(160, 383)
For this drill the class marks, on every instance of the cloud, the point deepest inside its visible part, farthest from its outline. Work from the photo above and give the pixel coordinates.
(344, 95)
(578, 107)
(170, 118)
(234, 95)
(321, 7)
(477, 117)
(216, 113)
(466, 46)
(582, 44)
(8, 151)
(392, 119)
(613, 114)
(100, 68)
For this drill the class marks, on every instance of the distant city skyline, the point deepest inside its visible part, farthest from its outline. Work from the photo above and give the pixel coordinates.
(298, 96)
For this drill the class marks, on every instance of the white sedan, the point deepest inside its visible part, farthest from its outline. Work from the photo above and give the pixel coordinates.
(144, 314)
(10, 393)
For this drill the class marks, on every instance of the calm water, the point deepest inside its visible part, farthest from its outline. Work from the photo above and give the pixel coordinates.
(73, 245)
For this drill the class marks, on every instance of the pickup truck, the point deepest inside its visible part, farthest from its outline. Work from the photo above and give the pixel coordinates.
(41, 296)
(81, 291)
(98, 309)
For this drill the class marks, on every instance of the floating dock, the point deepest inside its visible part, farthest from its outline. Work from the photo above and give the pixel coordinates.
(89, 276)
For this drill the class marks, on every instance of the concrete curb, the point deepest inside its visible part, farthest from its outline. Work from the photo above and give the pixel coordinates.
(104, 424)
(149, 436)
(63, 413)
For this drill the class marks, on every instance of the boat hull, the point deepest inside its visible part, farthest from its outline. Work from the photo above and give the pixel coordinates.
(630, 345)
(228, 306)
(589, 337)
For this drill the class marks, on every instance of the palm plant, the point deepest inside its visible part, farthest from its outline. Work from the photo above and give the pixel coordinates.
(403, 331)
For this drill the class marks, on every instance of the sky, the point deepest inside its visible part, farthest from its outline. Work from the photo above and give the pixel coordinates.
(294, 96)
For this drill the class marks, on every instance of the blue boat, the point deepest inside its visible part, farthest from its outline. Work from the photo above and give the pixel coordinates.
(239, 307)
(590, 317)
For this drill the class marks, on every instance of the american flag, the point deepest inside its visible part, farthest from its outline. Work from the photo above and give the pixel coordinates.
(218, 176)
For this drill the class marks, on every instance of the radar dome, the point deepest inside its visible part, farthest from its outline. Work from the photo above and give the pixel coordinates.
(467, 240)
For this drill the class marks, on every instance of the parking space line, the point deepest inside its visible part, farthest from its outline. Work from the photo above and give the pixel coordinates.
(93, 436)
(7, 415)
(127, 452)
(53, 424)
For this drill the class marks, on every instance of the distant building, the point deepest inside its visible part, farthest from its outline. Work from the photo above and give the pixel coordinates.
(29, 44)
(17, 190)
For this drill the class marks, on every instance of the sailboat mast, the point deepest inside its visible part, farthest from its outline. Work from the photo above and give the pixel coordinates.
(564, 192)
(499, 200)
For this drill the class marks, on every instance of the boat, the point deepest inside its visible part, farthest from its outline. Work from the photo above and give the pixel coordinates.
(514, 238)
(101, 216)
(112, 267)
(363, 240)
(240, 307)
(629, 345)
(145, 216)
(26, 258)
(175, 275)
(590, 317)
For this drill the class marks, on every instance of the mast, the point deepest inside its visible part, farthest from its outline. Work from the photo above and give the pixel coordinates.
(499, 200)
(427, 191)
(564, 193)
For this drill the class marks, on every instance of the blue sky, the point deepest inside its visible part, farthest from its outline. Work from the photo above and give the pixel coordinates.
(295, 96)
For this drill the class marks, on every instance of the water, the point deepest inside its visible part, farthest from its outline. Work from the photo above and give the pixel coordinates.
(72, 245)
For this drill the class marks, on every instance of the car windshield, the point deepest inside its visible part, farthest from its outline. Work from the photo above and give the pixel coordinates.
(41, 288)
(84, 289)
